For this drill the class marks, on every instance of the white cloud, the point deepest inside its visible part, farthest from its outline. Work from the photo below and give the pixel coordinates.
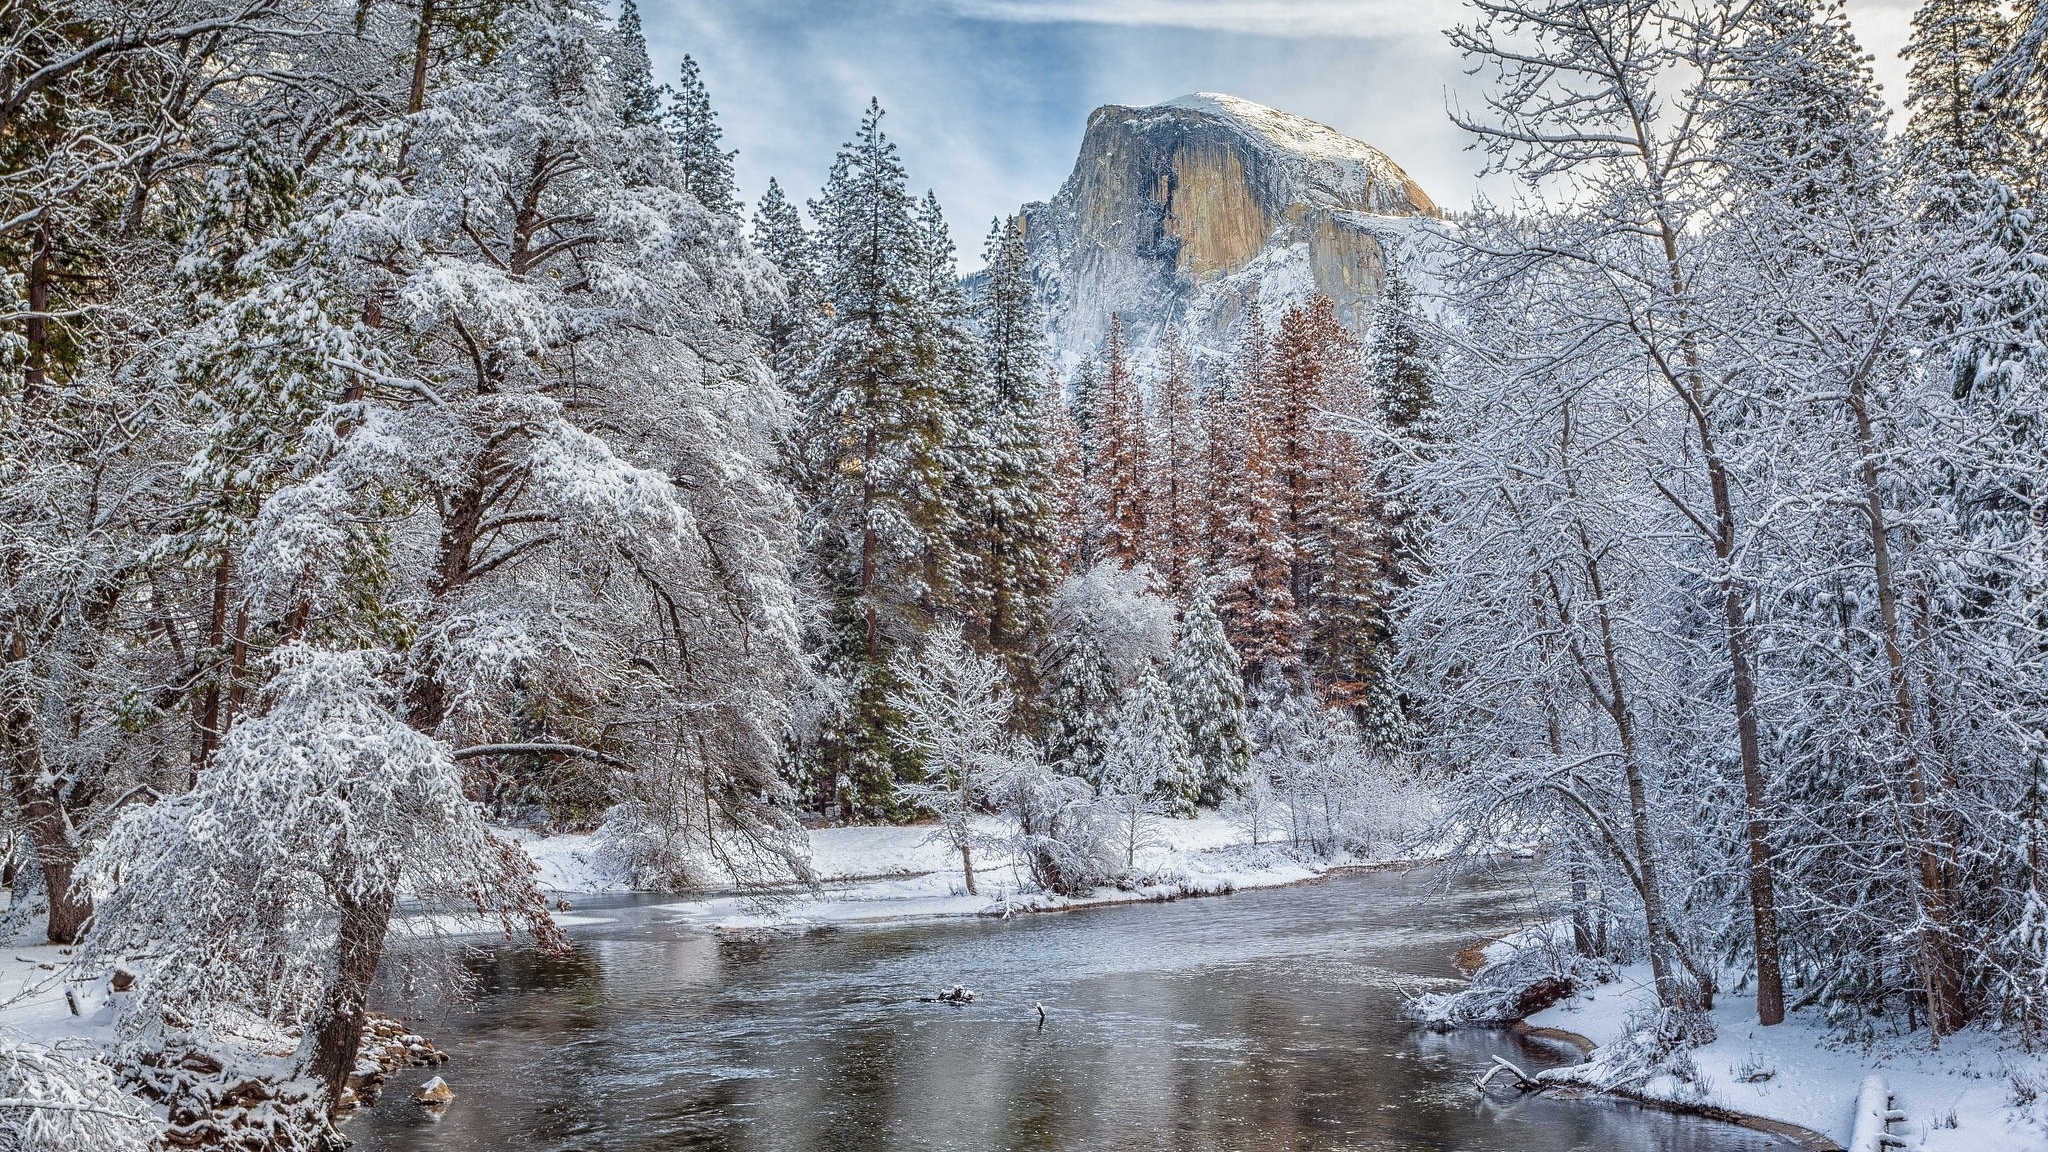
(1285, 18)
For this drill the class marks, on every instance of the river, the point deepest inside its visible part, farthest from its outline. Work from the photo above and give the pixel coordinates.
(1262, 1021)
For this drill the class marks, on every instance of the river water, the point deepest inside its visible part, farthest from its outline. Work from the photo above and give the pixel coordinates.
(1262, 1021)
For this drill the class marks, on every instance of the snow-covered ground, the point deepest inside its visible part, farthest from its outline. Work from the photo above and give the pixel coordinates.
(877, 873)
(33, 1005)
(1977, 1094)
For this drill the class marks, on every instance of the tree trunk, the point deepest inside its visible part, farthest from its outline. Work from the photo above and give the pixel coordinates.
(210, 719)
(39, 805)
(1946, 1009)
(1688, 381)
(1763, 906)
(329, 1052)
(967, 868)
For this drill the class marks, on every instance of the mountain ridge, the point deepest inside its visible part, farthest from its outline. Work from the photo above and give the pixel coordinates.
(1188, 211)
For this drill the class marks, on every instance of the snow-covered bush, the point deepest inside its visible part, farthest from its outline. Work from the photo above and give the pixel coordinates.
(56, 1099)
(258, 902)
(672, 833)
(1521, 975)
(1065, 838)
(1657, 1042)
(955, 710)
(1117, 607)
(1337, 795)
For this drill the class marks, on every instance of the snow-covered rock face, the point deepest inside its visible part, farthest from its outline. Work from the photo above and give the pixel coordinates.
(1187, 211)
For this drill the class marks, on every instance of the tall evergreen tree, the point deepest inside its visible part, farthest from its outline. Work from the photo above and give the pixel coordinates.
(1119, 477)
(1401, 360)
(693, 126)
(1257, 598)
(1176, 458)
(1015, 552)
(639, 98)
(1954, 46)
(1065, 490)
(875, 414)
(797, 327)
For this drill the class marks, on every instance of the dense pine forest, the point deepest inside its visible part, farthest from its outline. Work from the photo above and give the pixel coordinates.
(408, 435)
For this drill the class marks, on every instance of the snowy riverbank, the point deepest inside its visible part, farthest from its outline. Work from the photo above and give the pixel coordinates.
(866, 874)
(890, 872)
(1979, 1092)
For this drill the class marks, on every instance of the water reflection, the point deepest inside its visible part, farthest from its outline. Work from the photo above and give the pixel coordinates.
(1260, 1022)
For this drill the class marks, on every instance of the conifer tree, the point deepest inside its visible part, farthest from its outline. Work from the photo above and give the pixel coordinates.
(1083, 404)
(1257, 601)
(1176, 515)
(962, 421)
(1066, 491)
(1312, 356)
(1081, 703)
(1225, 420)
(1119, 478)
(1145, 765)
(1347, 543)
(797, 327)
(693, 126)
(1954, 46)
(874, 412)
(1208, 699)
(1400, 359)
(639, 99)
(1015, 554)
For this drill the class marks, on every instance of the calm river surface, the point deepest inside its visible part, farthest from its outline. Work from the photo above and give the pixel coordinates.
(1262, 1021)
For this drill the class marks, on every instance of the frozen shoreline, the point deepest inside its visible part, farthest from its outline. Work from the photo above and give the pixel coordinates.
(1799, 1080)
(889, 873)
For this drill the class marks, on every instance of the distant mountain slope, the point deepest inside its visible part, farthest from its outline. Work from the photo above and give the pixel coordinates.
(1187, 211)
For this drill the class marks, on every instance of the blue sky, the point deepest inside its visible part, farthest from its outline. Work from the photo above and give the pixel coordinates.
(987, 98)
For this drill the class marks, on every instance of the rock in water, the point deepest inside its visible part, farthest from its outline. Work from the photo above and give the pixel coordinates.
(1187, 211)
(435, 1091)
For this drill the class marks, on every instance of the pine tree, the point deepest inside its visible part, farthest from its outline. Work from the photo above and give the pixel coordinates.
(1400, 360)
(639, 99)
(1955, 44)
(1225, 420)
(1016, 550)
(1257, 599)
(962, 422)
(1146, 767)
(1347, 543)
(1065, 491)
(1176, 456)
(875, 415)
(1312, 356)
(1208, 699)
(796, 329)
(693, 126)
(1081, 703)
(1083, 405)
(1119, 477)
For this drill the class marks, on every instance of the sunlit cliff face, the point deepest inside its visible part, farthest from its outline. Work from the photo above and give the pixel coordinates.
(1187, 211)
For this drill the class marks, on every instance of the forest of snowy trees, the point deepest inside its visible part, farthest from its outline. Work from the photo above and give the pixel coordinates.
(406, 433)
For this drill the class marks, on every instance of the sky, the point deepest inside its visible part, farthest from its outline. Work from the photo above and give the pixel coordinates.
(987, 98)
